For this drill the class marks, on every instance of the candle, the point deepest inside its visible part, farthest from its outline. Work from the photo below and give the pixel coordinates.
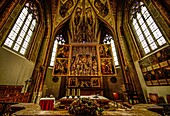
(78, 92)
(73, 92)
(68, 92)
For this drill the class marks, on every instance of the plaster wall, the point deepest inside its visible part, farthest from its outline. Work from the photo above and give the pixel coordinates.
(14, 69)
(110, 87)
(49, 86)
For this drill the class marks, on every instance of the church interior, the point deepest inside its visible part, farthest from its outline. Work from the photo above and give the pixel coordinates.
(115, 52)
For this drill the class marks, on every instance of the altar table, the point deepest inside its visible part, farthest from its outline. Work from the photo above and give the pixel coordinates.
(100, 99)
(47, 103)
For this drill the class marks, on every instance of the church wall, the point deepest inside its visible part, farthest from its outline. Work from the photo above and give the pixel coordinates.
(129, 73)
(15, 70)
(111, 87)
(51, 87)
(156, 12)
(160, 20)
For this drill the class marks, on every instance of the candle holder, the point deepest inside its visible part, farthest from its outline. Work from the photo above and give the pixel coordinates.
(73, 93)
(78, 93)
(68, 93)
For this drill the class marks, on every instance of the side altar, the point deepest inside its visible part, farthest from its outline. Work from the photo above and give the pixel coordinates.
(84, 66)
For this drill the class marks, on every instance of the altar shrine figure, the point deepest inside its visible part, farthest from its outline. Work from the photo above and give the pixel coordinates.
(77, 16)
(89, 16)
(84, 64)
(95, 66)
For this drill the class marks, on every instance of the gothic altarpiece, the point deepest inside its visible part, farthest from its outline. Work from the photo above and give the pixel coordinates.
(84, 65)
(84, 62)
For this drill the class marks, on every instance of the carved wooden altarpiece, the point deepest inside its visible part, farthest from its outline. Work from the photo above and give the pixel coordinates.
(85, 66)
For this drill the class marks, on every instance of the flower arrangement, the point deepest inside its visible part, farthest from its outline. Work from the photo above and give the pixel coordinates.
(85, 106)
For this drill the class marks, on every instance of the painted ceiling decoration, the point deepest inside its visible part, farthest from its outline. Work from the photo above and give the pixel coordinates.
(83, 18)
(64, 7)
(101, 7)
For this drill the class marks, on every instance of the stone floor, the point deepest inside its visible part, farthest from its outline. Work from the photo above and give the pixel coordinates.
(32, 109)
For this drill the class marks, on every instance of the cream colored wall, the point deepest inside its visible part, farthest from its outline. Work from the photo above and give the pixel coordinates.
(160, 90)
(14, 69)
(49, 86)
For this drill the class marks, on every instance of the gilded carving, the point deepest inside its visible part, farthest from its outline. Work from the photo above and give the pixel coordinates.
(77, 16)
(84, 61)
(83, 23)
(89, 16)
(63, 51)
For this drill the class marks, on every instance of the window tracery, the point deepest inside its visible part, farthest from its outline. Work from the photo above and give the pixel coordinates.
(19, 38)
(146, 30)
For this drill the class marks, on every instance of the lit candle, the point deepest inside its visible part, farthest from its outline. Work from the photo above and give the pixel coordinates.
(73, 92)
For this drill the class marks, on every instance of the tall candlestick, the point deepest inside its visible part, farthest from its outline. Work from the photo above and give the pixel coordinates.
(73, 92)
(78, 92)
(68, 92)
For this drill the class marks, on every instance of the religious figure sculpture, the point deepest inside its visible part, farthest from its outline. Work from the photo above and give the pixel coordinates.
(65, 7)
(84, 63)
(89, 16)
(77, 16)
(102, 8)
(83, 24)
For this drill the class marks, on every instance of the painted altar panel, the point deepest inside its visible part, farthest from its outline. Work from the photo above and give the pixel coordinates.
(156, 68)
(106, 60)
(61, 61)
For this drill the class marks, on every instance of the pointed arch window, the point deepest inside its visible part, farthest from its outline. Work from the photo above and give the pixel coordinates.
(146, 30)
(59, 40)
(109, 40)
(19, 38)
